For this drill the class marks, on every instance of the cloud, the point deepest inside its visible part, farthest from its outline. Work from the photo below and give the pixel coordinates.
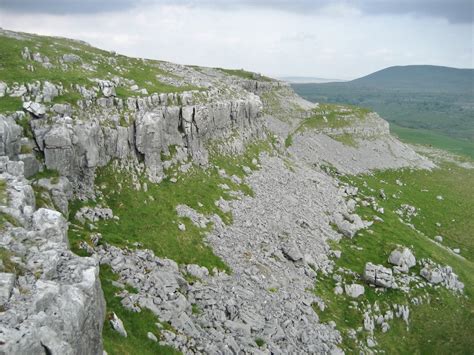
(336, 42)
(62, 7)
(455, 11)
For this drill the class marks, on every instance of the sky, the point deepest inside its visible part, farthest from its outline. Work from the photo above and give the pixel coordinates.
(336, 39)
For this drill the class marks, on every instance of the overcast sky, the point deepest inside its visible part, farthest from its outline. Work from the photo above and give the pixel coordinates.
(321, 38)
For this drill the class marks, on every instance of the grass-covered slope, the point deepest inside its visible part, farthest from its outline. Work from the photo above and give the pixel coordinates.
(91, 63)
(444, 321)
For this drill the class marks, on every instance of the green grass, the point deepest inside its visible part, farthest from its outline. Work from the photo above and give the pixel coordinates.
(196, 309)
(432, 138)
(333, 117)
(158, 229)
(25, 149)
(3, 191)
(13, 68)
(24, 123)
(346, 139)
(7, 264)
(4, 217)
(10, 104)
(70, 97)
(233, 164)
(245, 74)
(42, 197)
(46, 174)
(137, 325)
(444, 325)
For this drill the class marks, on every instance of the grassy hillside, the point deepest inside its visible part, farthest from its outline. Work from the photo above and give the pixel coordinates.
(443, 323)
(435, 105)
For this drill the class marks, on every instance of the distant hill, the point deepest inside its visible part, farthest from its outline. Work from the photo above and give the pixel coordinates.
(419, 78)
(308, 79)
(415, 99)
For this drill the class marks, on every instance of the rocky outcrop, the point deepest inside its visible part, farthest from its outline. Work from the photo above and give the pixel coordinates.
(379, 276)
(76, 148)
(53, 295)
(58, 190)
(259, 86)
(10, 137)
(402, 258)
(373, 147)
(443, 275)
(12, 141)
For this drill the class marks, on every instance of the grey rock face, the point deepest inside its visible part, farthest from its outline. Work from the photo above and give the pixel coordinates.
(60, 191)
(107, 88)
(263, 254)
(61, 295)
(432, 275)
(71, 58)
(151, 336)
(117, 325)
(50, 224)
(354, 290)
(7, 281)
(76, 149)
(50, 91)
(37, 109)
(10, 137)
(93, 214)
(292, 252)
(30, 164)
(379, 275)
(196, 218)
(197, 271)
(349, 224)
(403, 258)
(3, 88)
(444, 275)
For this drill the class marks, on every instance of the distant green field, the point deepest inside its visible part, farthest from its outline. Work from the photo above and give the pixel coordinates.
(427, 137)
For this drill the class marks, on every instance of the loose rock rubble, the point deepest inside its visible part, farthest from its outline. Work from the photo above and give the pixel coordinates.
(444, 275)
(93, 214)
(236, 309)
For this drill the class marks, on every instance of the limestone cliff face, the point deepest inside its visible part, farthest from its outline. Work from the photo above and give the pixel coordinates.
(76, 147)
